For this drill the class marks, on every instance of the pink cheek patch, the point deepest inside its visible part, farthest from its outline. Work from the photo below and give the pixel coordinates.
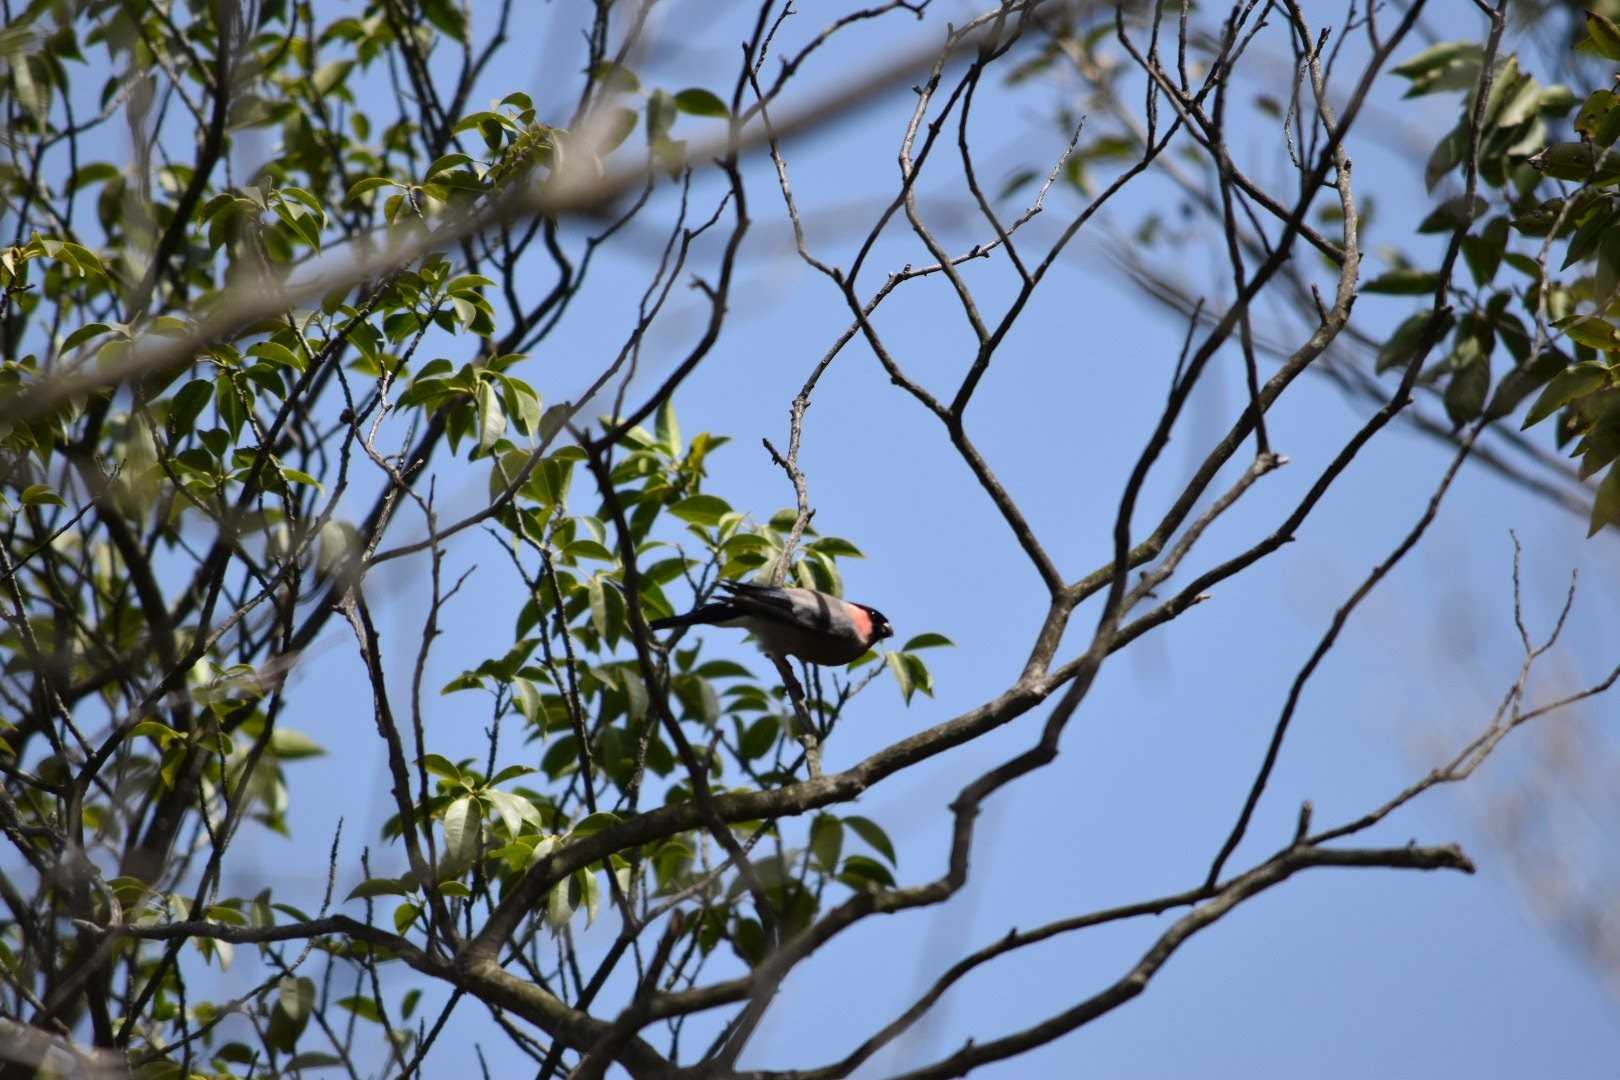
(862, 621)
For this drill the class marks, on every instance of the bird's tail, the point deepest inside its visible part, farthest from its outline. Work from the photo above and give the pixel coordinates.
(708, 613)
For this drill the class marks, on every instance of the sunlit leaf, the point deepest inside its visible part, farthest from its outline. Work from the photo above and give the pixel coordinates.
(700, 102)
(461, 830)
(1606, 504)
(1565, 387)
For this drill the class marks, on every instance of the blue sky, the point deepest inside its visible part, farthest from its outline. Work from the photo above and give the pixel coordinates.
(1337, 973)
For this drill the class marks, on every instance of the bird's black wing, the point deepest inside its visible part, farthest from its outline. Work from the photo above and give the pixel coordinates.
(796, 607)
(721, 612)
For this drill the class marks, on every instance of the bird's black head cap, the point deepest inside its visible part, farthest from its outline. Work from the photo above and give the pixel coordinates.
(880, 623)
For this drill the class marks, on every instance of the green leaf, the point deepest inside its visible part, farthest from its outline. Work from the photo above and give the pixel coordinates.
(559, 908)
(739, 544)
(1483, 250)
(660, 116)
(561, 758)
(698, 697)
(1451, 65)
(161, 733)
(514, 810)
(826, 841)
(331, 75)
(41, 495)
(82, 258)
(591, 892)
(588, 549)
(446, 163)
(1556, 100)
(84, 334)
(1518, 101)
(1403, 282)
(616, 77)
(188, 404)
(1535, 221)
(1602, 447)
(748, 939)
(759, 738)
(669, 429)
(445, 15)
(467, 680)
(818, 571)
(917, 673)
(532, 704)
(1403, 345)
(1578, 161)
(1454, 212)
(837, 547)
(863, 873)
(1522, 381)
(290, 744)
(616, 128)
(296, 997)
(636, 698)
(491, 416)
(291, 912)
(277, 354)
(1435, 57)
(1566, 386)
(1465, 394)
(98, 172)
(1524, 264)
(554, 420)
(873, 834)
(722, 669)
(593, 824)
(404, 916)
(298, 476)
(927, 641)
(1587, 237)
(902, 675)
(363, 1007)
(1447, 154)
(701, 509)
(441, 766)
(378, 887)
(598, 598)
(1593, 119)
(461, 828)
(311, 1059)
(1590, 330)
(1606, 278)
(229, 403)
(1606, 505)
(290, 1015)
(700, 102)
(369, 183)
(524, 405)
(238, 1053)
(672, 860)
(224, 913)
(1014, 183)
(1604, 36)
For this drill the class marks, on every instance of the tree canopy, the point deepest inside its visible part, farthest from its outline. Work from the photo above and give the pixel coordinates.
(280, 286)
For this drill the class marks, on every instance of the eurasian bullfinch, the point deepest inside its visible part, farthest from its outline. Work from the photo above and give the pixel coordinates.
(813, 626)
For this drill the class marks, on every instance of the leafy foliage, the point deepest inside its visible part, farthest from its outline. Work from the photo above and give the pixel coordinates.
(232, 366)
(170, 658)
(1545, 213)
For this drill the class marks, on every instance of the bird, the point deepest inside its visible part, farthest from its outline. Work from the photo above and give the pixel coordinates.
(816, 627)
